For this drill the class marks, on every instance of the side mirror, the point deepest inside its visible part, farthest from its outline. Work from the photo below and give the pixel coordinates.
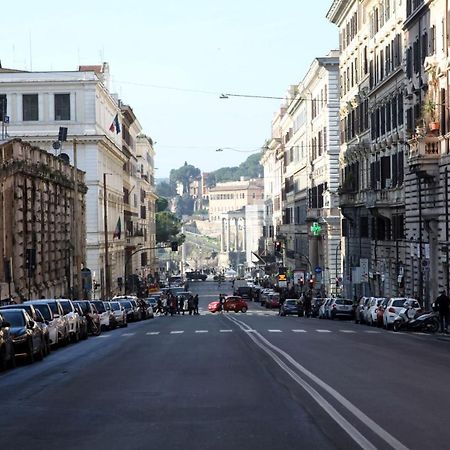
(31, 324)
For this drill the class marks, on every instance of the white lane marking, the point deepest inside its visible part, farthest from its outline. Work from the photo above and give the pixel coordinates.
(250, 331)
(152, 333)
(323, 331)
(128, 334)
(103, 335)
(299, 331)
(226, 331)
(177, 332)
(340, 420)
(274, 331)
(201, 331)
(371, 332)
(347, 331)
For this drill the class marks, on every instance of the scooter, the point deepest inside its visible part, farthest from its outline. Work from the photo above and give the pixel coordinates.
(408, 320)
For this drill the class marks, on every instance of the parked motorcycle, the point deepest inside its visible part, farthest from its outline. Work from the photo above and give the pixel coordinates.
(408, 319)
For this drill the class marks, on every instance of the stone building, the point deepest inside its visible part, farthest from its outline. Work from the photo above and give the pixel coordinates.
(43, 241)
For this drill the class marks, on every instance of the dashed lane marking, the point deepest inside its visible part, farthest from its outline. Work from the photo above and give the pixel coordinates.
(226, 331)
(274, 331)
(371, 332)
(201, 331)
(299, 331)
(177, 332)
(103, 335)
(128, 334)
(323, 331)
(152, 333)
(347, 331)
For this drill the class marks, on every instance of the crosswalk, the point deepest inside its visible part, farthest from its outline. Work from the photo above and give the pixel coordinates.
(229, 331)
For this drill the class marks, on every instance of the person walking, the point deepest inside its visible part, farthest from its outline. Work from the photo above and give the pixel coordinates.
(443, 306)
(307, 304)
(196, 305)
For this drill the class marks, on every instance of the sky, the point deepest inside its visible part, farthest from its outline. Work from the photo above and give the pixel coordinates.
(171, 60)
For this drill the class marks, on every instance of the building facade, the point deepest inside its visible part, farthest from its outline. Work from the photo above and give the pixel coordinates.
(43, 241)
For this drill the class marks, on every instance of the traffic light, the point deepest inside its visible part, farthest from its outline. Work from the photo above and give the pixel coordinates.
(174, 246)
(311, 282)
(301, 282)
(278, 246)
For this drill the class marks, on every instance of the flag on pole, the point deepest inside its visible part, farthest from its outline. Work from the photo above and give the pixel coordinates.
(115, 126)
(118, 230)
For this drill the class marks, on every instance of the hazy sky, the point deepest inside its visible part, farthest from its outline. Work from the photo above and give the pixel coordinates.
(242, 47)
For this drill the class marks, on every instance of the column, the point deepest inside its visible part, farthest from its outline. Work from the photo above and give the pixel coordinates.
(222, 236)
(236, 225)
(244, 235)
(228, 235)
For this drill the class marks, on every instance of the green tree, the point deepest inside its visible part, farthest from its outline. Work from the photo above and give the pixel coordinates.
(185, 174)
(164, 189)
(168, 226)
(250, 168)
(161, 204)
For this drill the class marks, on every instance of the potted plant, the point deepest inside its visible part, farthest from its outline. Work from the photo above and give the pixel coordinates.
(430, 114)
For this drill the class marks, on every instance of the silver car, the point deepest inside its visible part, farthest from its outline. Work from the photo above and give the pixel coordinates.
(51, 322)
(119, 313)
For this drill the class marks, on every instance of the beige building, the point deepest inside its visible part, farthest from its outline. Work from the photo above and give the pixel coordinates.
(42, 225)
(234, 195)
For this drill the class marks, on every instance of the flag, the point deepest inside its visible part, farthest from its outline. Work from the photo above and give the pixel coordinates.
(115, 125)
(118, 230)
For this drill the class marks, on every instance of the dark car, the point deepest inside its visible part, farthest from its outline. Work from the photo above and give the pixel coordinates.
(7, 355)
(244, 292)
(37, 317)
(291, 306)
(26, 335)
(91, 314)
(193, 276)
(315, 306)
(129, 309)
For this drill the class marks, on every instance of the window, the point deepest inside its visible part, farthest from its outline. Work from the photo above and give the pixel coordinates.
(30, 108)
(3, 107)
(62, 106)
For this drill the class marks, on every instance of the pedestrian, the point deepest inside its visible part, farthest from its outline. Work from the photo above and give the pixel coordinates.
(196, 305)
(443, 306)
(191, 305)
(222, 302)
(307, 304)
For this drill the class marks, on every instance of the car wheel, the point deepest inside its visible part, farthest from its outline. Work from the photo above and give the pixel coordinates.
(3, 361)
(30, 355)
(244, 309)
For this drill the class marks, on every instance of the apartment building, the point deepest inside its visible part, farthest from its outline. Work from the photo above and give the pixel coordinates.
(105, 133)
(42, 224)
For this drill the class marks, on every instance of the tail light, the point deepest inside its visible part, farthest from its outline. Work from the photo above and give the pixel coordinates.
(391, 310)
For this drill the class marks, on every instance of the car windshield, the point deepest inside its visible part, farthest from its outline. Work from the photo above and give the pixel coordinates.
(398, 303)
(290, 302)
(66, 306)
(53, 307)
(115, 306)
(344, 302)
(127, 305)
(14, 317)
(84, 306)
(100, 307)
(44, 310)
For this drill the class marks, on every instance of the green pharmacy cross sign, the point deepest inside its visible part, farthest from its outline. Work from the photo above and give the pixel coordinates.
(316, 229)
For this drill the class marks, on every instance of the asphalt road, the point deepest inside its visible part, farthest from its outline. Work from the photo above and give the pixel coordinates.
(233, 381)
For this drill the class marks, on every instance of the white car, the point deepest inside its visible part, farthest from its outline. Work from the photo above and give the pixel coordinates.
(370, 314)
(103, 314)
(52, 325)
(73, 319)
(119, 313)
(393, 307)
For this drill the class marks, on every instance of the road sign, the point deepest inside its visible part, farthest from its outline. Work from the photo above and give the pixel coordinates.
(318, 269)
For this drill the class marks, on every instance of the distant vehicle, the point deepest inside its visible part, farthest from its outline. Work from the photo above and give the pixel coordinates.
(232, 303)
(272, 300)
(291, 306)
(194, 276)
(175, 280)
(244, 292)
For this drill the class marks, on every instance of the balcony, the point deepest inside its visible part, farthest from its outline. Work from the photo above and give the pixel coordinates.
(386, 198)
(424, 154)
(313, 214)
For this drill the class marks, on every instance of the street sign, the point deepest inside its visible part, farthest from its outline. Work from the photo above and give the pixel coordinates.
(318, 269)
(282, 277)
(282, 284)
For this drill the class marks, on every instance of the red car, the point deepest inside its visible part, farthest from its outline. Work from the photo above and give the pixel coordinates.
(232, 303)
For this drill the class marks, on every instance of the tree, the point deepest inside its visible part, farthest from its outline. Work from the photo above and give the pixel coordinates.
(250, 168)
(161, 204)
(168, 226)
(185, 174)
(164, 189)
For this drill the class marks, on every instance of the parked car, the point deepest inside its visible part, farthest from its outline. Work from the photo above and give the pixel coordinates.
(51, 322)
(291, 306)
(360, 309)
(119, 313)
(84, 332)
(7, 355)
(324, 308)
(129, 309)
(138, 312)
(103, 314)
(245, 292)
(89, 310)
(73, 319)
(37, 317)
(393, 307)
(272, 300)
(112, 316)
(27, 337)
(149, 311)
(370, 314)
(340, 308)
(153, 302)
(58, 316)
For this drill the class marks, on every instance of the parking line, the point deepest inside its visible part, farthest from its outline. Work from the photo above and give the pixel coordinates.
(201, 331)
(274, 331)
(299, 331)
(323, 331)
(152, 333)
(176, 332)
(103, 335)
(226, 331)
(128, 334)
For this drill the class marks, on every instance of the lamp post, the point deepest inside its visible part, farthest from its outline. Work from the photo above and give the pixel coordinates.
(336, 265)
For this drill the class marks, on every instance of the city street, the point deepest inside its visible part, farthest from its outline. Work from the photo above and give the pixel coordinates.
(233, 381)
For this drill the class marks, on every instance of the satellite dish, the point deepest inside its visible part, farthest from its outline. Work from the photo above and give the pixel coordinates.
(56, 145)
(64, 157)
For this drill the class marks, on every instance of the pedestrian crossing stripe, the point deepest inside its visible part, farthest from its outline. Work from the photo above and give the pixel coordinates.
(152, 333)
(226, 331)
(347, 331)
(201, 331)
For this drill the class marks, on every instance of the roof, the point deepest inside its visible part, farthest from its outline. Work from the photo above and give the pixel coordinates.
(91, 68)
